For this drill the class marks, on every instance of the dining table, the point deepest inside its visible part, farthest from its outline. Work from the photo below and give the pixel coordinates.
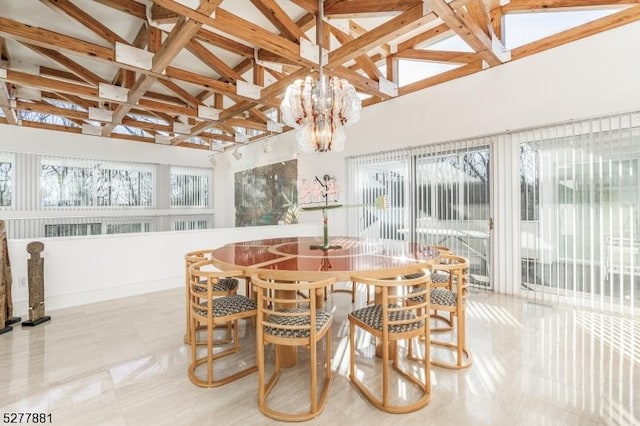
(306, 259)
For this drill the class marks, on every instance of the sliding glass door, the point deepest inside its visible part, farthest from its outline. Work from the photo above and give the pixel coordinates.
(580, 214)
(435, 195)
(452, 202)
(381, 195)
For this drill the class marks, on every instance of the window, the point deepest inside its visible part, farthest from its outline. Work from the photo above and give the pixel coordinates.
(529, 182)
(42, 117)
(72, 229)
(88, 183)
(187, 225)
(128, 228)
(189, 187)
(6, 179)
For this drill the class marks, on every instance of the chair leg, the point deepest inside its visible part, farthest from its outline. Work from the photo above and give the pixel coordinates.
(352, 351)
(385, 373)
(314, 378)
(327, 370)
(210, 354)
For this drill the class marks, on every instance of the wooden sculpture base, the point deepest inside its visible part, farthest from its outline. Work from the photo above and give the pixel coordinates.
(36, 322)
(13, 320)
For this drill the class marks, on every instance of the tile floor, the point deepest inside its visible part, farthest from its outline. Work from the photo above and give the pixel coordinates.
(122, 362)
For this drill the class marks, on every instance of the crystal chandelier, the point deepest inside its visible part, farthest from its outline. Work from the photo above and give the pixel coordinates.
(320, 109)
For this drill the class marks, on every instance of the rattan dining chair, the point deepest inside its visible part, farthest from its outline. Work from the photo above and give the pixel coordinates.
(224, 286)
(286, 320)
(207, 311)
(453, 300)
(390, 321)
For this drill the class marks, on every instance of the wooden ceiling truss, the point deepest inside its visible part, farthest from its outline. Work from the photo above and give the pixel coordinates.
(267, 54)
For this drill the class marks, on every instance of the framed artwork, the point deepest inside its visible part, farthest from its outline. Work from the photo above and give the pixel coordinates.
(263, 195)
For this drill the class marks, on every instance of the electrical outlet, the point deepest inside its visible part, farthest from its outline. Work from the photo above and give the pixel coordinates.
(22, 282)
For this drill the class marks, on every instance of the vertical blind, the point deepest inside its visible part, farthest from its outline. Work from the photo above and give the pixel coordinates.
(436, 195)
(374, 176)
(580, 215)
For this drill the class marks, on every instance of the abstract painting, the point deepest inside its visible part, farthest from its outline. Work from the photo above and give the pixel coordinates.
(264, 194)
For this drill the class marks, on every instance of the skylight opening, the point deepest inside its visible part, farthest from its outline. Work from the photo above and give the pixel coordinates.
(453, 43)
(523, 28)
(411, 71)
(45, 118)
(63, 104)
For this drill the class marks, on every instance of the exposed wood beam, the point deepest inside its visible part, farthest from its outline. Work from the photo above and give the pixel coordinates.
(4, 50)
(75, 13)
(267, 93)
(279, 18)
(163, 16)
(45, 83)
(358, 81)
(144, 36)
(480, 16)
(51, 109)
(497, 22)
(227, 89)
(11, 116)
(72, 66)
(187, 97)
(356, 30)
(531, 5)
(180, 35)
(393, 72)
(83, 103)
(438, 56)
(247, 63)
(48, 39)
(212, 61)
(155, 42)
(615, 20)
(130, 7)
(4, 102)
(432, 34)
(47, 126)
(259, 115)
(310, 6)
(243, 29)
(363, 61)
(354, 8)
(409, 20)
(224, 43)
(63, 75)
(247, 124)
(469, 30)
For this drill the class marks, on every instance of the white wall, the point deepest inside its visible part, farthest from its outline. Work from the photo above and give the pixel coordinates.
(594, 76)
(81, 270)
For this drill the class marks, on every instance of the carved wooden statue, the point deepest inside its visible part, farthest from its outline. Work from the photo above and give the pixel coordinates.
(35, 266)
(6, 300)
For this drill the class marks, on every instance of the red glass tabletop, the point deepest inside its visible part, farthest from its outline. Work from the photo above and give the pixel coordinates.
(297, 254)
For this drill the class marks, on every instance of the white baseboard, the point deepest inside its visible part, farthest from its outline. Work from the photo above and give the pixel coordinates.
(61, 301)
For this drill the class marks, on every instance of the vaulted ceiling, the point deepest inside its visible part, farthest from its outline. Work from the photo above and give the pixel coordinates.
(209, 73)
